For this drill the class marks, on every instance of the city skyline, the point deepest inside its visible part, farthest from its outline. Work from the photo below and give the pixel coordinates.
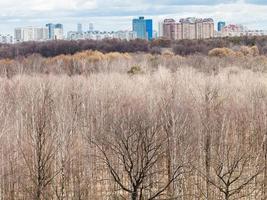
(116, 15)
(142, 28)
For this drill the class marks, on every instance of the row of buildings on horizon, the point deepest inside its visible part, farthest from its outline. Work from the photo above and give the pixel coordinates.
(198, 28)
(185, 28)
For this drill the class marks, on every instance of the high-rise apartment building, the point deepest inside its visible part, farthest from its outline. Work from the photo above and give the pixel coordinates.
(143, 28)
(188, 28)
(221, 25)
(51, 28)
(31, 34)
(91, 27)
(170, 29)
(149, 29)
(79, 28)
(55, 31)
(208, 28)
(58, 32)
(160, 29)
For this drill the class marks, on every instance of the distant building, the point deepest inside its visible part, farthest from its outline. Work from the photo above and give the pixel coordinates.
(234, 28)
(160, 29)
(255, 32)
(31, 34)
(6, 39)
(125, 35)
(51, 28)
(91, 27)
(221, 25)
(238, 30)
(79, 28)
(58, 32)
(208, 28)
(155, 34)
(143, 27)
(149, 29)
(55, 31)
(188, 28)
(100, 35)
(170, 29)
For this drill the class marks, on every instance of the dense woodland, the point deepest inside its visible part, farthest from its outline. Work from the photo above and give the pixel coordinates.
(180, 47)
(134, 126)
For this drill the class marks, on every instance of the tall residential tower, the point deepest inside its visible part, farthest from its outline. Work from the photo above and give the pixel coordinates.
(79, 28)
(188, 28)
(143, 28)
(221, 25)
(55, 31)
(26, 34)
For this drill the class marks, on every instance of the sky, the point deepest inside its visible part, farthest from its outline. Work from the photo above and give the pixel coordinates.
(117, 14)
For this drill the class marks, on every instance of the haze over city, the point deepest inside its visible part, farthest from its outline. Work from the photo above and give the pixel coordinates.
(117, 14)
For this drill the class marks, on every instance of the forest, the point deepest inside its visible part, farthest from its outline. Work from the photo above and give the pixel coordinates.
(179, 47)
(136, 125)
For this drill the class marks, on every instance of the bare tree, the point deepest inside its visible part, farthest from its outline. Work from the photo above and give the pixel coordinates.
(139, 148)
(231, 176)
(38, 146)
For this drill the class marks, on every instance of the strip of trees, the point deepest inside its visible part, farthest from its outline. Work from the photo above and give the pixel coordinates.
(181, 47)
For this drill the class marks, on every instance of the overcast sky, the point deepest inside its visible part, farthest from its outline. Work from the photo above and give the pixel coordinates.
(117, 14)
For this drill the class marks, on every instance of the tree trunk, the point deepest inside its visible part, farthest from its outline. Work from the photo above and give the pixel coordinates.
(134, 195)
(207, 143)
(207, 163)
(265, 167)
(169, 167)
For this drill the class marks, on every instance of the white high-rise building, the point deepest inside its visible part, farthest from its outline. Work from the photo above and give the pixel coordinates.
(160, 31)
(31, 34)
(79, 28)
(58, 34)
(55, 31)
(91, 27)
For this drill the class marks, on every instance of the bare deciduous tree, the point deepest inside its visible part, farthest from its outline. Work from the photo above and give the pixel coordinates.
(38, 146)
(231, 175)
(138, 147)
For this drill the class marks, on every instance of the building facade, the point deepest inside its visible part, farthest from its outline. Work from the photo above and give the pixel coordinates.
(79, 28)
(51, 28)
(91, 27)
(143, 28)
(188, 28)
(100, 35)
(55, 31)
(220, 26)
(160, 29)
(58, 32)
(149, 29)
(26, 34)
(238, 30)
(170, 29)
